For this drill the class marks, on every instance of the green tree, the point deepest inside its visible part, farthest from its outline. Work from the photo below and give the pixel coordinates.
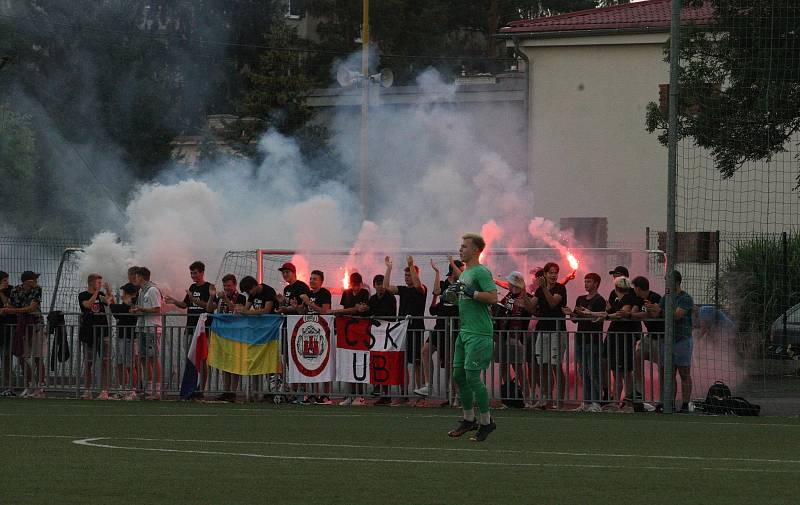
(739, 82)
(455, 34)
(19, 167)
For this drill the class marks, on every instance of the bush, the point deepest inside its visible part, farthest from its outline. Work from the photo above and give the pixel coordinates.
(752, 280)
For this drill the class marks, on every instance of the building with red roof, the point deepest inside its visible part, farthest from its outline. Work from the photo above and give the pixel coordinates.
(591, 75)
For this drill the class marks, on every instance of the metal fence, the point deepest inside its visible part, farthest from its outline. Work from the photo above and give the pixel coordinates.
(543, 369)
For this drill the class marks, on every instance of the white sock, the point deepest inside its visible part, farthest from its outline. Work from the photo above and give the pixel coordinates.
(469, 415)
(149, 386)
(157, 388)
(486, 418)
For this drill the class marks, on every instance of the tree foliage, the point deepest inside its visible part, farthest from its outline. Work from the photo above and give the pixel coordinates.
(739, 82)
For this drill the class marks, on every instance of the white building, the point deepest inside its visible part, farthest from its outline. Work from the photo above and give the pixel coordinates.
(591, 75)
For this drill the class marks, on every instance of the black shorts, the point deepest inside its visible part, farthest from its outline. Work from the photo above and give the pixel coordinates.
(619, 350)
(414, 344)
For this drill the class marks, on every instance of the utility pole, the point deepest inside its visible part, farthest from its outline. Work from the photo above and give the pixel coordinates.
(365, 112)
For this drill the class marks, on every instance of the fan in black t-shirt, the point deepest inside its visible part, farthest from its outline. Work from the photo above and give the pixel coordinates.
(318, 299)
(196, 300)
(290, 302)
(413, 297)
(355, 300)
(553, 312)
(261, 298)
(93, 302)
(382, 304)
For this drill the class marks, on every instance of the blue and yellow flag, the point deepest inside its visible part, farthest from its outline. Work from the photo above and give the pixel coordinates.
(245, 345)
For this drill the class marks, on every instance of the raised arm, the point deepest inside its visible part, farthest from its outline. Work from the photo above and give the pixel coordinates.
(387, 278)
(413, 271)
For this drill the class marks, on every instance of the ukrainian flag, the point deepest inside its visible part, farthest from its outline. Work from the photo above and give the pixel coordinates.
(245, 345)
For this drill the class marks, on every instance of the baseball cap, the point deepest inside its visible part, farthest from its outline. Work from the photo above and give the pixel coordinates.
(288, 266)
(516, 279)
(620, 270)
(29, 276)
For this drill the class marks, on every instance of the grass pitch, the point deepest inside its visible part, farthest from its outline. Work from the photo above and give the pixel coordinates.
(71, 452)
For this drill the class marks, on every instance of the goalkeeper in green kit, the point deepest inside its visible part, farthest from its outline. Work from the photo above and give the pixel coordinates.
(474, 292)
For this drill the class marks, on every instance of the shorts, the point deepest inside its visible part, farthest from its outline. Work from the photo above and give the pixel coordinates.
(127, 351)
(682, 352)
(652, 348)
(34, 343)
(550, 347)
(473, 352)
(100, 347)
(619, 351)
(414, 345)
(149, 344)
(509, 349)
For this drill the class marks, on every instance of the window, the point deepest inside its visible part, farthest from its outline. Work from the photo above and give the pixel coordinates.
(588, 231)
(295, 9)
(693, 246)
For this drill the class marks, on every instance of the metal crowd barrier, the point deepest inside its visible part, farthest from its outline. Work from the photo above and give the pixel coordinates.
(563, 369)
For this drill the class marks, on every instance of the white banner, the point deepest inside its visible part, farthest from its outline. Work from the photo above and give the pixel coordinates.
(310, 348)
(372, 353)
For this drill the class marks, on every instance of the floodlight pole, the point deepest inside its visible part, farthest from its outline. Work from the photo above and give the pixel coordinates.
(364, 179)
(672, 175)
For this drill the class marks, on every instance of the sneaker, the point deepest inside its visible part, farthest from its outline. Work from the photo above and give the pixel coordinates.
(456, 402)
(383, 400)
(464, 427)
(483, 432)
(540, 405)
(376, 392)
(422, 402)
(528, 406)
(347, 402)
(359, 402)
(581, 408)
(87, 396)
(38, 394)
(612, 407)
(7, 393)
(324, 400)
(397, 402)
(628, 408)
(153, 397)
(130, 396)
(594, 407)
(103, 396)
(423, 391)
(25, 393)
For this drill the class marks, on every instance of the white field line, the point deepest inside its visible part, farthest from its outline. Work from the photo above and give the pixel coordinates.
(93, 442)
(436, 449)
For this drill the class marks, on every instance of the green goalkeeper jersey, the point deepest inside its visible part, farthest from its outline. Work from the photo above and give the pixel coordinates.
(474, 316)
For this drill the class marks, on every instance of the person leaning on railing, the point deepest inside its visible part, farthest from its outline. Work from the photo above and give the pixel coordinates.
(8, 323)
(29, 336)
(651, 347)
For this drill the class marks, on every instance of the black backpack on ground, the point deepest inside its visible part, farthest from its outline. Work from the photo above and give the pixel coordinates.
(720, 401)
(738, 406)
(717, 399)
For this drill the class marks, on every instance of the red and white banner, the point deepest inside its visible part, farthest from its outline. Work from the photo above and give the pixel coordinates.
(310, 348)
(370, 351)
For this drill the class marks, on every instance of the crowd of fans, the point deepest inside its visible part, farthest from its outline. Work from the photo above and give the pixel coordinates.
(613, 335)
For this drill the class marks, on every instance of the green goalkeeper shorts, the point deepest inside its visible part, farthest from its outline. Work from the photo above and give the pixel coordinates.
(473, 352)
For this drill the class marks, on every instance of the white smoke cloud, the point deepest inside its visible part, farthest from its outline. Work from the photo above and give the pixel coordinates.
(433, 177)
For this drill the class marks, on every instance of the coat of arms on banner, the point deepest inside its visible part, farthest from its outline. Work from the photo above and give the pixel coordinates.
(310, 340)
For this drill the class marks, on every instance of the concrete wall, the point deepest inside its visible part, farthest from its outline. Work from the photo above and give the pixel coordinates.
(590, 155)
